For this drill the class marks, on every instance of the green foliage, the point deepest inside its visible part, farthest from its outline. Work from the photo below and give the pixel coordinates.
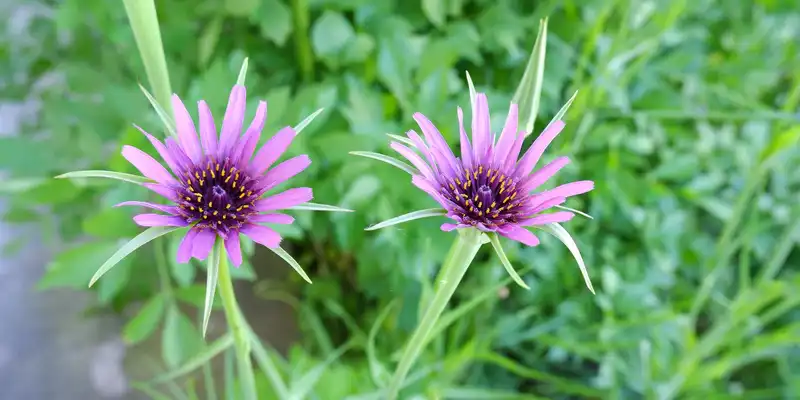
(685, 119)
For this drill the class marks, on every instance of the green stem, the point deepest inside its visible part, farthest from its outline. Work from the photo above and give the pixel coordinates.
(455, 266)
(237, 327)
(305, 57)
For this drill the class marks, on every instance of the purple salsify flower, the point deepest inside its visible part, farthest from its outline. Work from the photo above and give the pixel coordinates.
(489, 188)
(216, 185)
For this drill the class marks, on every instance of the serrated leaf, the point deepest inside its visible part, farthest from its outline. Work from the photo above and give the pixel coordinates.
(387, 159)
(498, 248)
(289, 259)
(162, 114)
(304, 123)
(145, 322)
(120, 176)
(138, 241)
(198, 360)
(430, 212)
(242, 72)
(212, 274)
(529, 91)
(560, 114)
(318, 207)
(561, 234)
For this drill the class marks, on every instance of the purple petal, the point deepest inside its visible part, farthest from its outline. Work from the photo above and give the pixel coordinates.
(262, 235)
(247, 144)
(159, 220)
(160, 207)
(187, 134)
(536, 150)
(430, 188)
(541, 176)
(423, 148)
(233, 248)
(233, 120)
(567, 190)
(185, 248)
(507, 137)
(162, 150)
(541, 206)
(285, 170)
(448, 227)
(165, 191)
(441, 150)
(519, 234)
(481, 129)
(208, 130)
(272, 218)
(272, 150)
(411, 156)
(513, 154)
(466, 147)
(147, 165)
(178, 156)
(560, 216)
(285, 199)
(203, 242)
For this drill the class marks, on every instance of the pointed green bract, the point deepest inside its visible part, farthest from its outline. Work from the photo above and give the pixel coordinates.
(120, 176)
(289, 259)
(430, 212)
(559, 232)
(242, 73)
(563, 111)
(581, 213)
(217, 347)
(498, 248)
(138, 241)
(318, 207)
(387, 159)
(401, 139)
(304, 123)
(165, 117)
(472, 92)
(212, 275)
(529, 91)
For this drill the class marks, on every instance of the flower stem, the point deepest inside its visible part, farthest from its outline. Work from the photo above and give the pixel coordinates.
(237, 327)
(455, 266)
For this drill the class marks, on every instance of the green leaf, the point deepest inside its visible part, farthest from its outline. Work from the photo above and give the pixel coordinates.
(330, 35)
(289, 259)
(430, 212)
(198, 360)
(166, 119)
(267, 365)
(434, 10)
(113, 282)
(196, 296)
(140, 240)
(208, 40)
(378, 371)
(242, 72)
(529, 91)
(145, 322)
(561, 234)
(498, 248)
(318, 207)
(212, 274)
(784, 140)
(275, 20)
(304, 123)
(560, 114)
(180, 340)
(110, 223)
(241, 8)
(301, 388)
(387, 159)
(73, 267)
(104, 174)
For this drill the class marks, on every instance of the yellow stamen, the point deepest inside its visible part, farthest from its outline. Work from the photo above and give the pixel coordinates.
(236, 177)
(216, 212)
(191, 189)
(480, 213)
(249, 192)
(241, 196)
(222, 173)
(246, 206)
(494, 203)
(476, 197)
(465, 185)
(506, 200)
(205, 216)
(513, 195)
(452, 187)
(234, 184)
(188, 181)
(204, 174)
(228, 207)
(480, 169)
(210, 204)
(480, 204)
(224, 216)
(191, 208)
(188, 198)
(196, 175)
(458, 181)
(202, 210)
(227, 179)
(487, 211)
(239, 209)
(241, 189)
(217, 167)
(213, 175)
(201, 183)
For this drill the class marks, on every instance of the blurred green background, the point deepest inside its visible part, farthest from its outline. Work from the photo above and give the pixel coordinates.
(686, 119)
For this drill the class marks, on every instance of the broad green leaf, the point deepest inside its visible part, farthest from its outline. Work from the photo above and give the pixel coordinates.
(110, 223)
(318, 207)
(529, 91)
(241, 8)
(561, 234)
(301, 388)
(581, 213)
(242, 72)
(208, 40)
(166, 119)
(498, 248)
(330, 34)
(560, 114)
(376, 368)
(401, 139)
(289, 259)
(180, 340)
(104, 174)
(387, 159)
(113, 282)
(434, 10)
(73, 267)
(472, 92)
(304, 123)
(212, 274)
(430, 212)
(275, 20)
(145, 322)
(140, 240)
(198, 360)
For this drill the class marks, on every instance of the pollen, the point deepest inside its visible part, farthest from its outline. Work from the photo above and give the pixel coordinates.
(210, 204)
(228, 207)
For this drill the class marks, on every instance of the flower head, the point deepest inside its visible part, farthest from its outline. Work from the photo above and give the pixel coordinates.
(216, 183)
(488, 187)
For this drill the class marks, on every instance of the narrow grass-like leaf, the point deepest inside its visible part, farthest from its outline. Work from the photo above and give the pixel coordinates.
(242, 72)
(401, 139)
(166, 119)
(560, 114)
(267, 364)
(498, 248)
(120, 176)
(198, 360)
(318, 207)
(559, 232)
(376, 369)
(138, 241)
(212, 275)
(430, 212)
(581, 213)
(304, 123)
(529, 91)
(303, 386)
(149, 391)
(289, 259)
(467, 393)
(387, 159)
(472, 92)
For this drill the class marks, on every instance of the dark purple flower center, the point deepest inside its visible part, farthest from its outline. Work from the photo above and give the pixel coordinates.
(484, 195)
(219, 196)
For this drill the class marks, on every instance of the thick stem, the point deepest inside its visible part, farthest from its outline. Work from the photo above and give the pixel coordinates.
(455, 266)
(237, 328)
